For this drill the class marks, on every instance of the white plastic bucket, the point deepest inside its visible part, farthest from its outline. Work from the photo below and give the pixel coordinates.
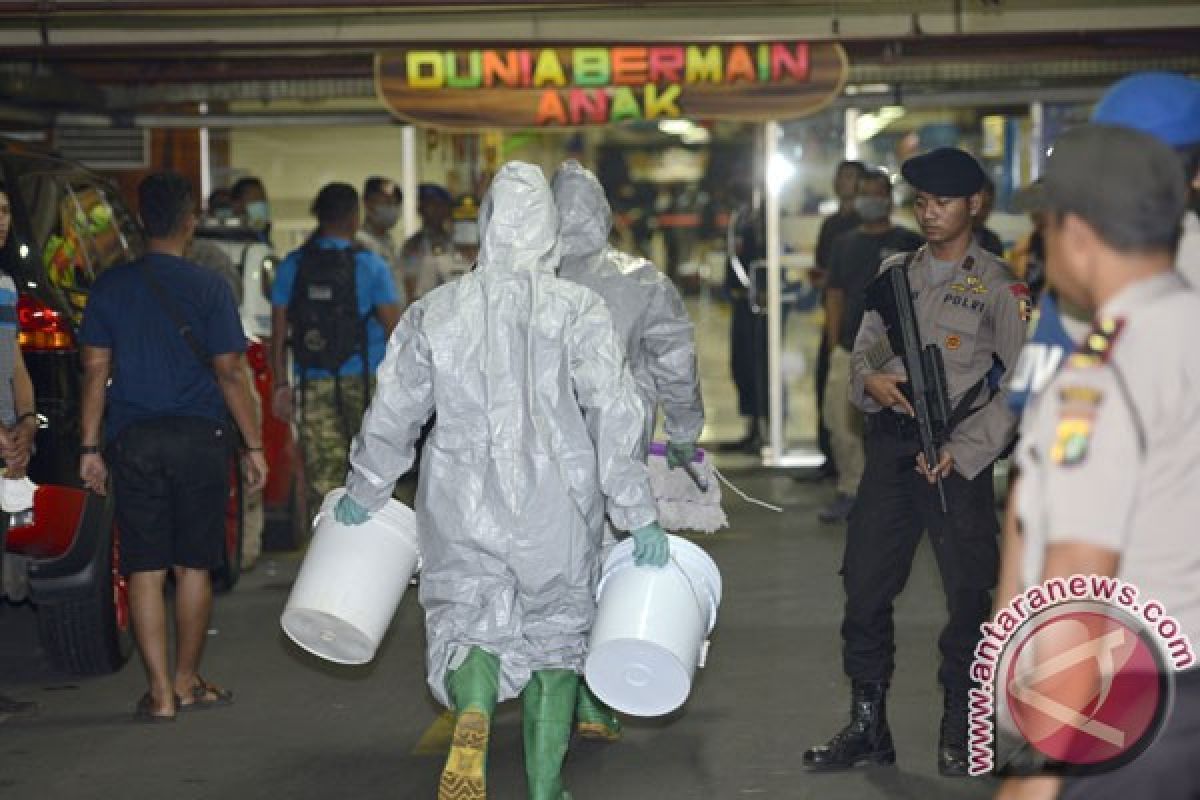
(351, 582)
(651, 627)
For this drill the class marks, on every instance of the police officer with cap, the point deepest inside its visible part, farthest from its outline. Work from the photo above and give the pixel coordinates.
(1108, 448)
(968, 304)
(431, 257)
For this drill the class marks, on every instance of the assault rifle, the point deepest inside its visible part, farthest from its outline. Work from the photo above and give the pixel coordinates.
(890, 296)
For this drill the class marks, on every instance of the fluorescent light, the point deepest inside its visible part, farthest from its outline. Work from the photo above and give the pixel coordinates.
(779, 171)
(676, 127)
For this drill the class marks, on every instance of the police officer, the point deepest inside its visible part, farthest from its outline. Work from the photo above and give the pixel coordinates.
(1108, 448)
(970, 306)
(431, 257)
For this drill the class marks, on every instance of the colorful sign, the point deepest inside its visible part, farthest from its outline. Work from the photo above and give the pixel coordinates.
(528, 87)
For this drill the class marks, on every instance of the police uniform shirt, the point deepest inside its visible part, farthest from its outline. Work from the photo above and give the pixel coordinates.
(1110, 450)
(976, 314)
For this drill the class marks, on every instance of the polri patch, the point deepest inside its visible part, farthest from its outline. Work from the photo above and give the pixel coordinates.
(953, 342)
(1072, 438)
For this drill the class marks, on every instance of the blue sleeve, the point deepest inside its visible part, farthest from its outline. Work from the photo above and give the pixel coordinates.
(96, 330)
(285, 279)
(379, 279)
(223, 324)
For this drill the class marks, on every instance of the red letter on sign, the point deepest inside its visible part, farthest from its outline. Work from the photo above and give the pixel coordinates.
(629, 66)
(505, 71)
(782, 62)
(666, 64)
(550, 109)
(588, 106)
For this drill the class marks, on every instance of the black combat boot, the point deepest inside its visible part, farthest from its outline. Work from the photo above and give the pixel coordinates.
(866, 740)
(952, 741)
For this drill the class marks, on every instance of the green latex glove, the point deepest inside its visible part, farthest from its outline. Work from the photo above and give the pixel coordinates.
(650, 546)
(349, 512)
(680, 453)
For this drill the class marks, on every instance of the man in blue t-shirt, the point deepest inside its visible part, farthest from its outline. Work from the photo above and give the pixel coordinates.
(330, 404)
(167, 436)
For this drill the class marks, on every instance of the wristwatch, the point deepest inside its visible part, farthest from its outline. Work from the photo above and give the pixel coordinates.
(89, 450)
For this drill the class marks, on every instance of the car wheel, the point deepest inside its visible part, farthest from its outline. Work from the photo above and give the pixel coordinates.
(87, 632)
(226, 576)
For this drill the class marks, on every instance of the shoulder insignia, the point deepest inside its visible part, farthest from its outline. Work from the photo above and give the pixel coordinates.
(1097, 347)
(1024, 304)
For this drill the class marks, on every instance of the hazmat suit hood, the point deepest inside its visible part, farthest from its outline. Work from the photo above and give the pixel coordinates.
(651, 320)
(584, 216)
(518, 223)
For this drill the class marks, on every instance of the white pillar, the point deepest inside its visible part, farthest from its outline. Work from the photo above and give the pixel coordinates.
(408, 179)
(771, 135)
(1037, 139)
(205, 162)
(851, 124)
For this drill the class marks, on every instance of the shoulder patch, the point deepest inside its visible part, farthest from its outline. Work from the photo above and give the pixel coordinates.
(1097, 347)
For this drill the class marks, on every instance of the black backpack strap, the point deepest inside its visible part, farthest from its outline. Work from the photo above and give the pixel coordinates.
(168, 305)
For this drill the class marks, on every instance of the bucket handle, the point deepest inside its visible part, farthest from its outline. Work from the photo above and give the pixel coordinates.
(704, 608)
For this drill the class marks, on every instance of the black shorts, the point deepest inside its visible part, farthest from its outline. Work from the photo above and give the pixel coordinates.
(170, 480)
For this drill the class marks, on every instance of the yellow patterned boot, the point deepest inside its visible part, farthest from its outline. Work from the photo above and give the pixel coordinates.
(473, 688)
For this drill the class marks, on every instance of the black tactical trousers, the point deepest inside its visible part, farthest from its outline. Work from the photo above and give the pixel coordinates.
(895, 505)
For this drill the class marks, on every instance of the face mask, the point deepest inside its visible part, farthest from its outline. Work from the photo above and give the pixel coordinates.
(258, 213)
(383, 217)
(873, 209)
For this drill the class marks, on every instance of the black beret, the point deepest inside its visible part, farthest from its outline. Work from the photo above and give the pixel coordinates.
(945, 172)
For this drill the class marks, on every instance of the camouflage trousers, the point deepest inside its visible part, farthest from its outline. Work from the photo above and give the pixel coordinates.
(327, 427)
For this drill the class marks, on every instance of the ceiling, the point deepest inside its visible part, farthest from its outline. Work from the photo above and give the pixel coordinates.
(114, 57)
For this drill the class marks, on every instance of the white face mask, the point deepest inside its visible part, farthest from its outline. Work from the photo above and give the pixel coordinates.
(383, 217)
(871, 208)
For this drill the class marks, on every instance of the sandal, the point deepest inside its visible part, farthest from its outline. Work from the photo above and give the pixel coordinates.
(206, 695)
(144, 711)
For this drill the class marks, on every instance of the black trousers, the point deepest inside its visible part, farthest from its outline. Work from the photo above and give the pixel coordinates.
(748, 358)
(895, 505)
(1168, 770)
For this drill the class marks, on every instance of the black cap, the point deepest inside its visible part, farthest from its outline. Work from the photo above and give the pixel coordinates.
(432, 191)
(945, 172)
(1129, 186)
(377, 183)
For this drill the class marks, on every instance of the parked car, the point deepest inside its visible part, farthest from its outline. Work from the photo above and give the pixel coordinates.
(69, 225)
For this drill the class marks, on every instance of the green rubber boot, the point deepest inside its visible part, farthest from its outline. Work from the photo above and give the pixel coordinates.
(473, 689)
(549, 709)
(593, 719)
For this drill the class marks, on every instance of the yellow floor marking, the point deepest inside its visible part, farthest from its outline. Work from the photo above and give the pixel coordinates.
(435, 741)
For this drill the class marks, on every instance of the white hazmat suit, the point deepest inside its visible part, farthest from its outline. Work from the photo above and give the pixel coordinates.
(649, 314)
(538, 421)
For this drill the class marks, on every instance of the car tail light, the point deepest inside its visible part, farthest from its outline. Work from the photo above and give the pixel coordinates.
(42, 327)
(256, 356)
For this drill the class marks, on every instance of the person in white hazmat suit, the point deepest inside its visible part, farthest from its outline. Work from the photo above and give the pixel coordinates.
(536, 437)
(659, 341)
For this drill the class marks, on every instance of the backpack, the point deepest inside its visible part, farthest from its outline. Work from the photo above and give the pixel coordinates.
(326, 327)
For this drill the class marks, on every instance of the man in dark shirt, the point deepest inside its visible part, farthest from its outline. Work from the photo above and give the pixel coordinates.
(853, 263)
(167, 435)
(845, 186)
